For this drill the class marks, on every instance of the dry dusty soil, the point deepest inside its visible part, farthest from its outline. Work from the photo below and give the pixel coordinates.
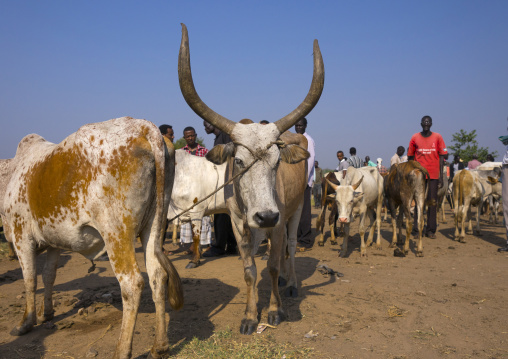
(452, 303)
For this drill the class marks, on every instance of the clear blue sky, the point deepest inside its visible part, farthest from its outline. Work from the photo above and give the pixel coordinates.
(65, 63)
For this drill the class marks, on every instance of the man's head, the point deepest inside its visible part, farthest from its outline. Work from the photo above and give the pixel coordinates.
(316, 164)
(340, 155)
(352, 151)
(209, 128)
(367, 159)
(490, 158)
(167, 131)
(475, 156)
(301, 125)
(426, 123)
(264, 122)
(456, 159)
(189, 134)
(400, 150)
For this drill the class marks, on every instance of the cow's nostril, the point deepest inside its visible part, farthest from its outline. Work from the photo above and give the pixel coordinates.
(266, 219)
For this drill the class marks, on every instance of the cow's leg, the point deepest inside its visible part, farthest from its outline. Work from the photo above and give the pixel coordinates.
(124, 265)
(362, 230)
(420, 204)
(26, 257)
(46, 311)
(463, 219)
(320, 224)
(334, 214)
(275, 313)
(158, 279)
(175, 231)
(196, 240)
(243, 238)
(292, 230)
(343, 250)
(477, 229)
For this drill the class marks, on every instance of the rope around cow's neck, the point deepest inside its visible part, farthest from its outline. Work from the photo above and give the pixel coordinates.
(257, 157)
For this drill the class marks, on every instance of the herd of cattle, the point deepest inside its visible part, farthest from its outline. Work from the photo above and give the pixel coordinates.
(112, 182)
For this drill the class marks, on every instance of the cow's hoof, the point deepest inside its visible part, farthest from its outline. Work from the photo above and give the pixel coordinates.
(333, 243)
(158, 353)
(321, 244)
(392, 245)
(18, 331)
(342, 254)
(282, 281)
(192, 265)
(291, 292)
(248, 326)
(274, 318)
(46, 317)
(419, 254)
(462, 240)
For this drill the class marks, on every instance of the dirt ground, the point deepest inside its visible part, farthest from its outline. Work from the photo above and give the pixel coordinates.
(449, 304)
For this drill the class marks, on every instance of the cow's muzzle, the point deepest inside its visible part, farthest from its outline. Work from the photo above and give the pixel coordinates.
(266, 219)
(343, 220)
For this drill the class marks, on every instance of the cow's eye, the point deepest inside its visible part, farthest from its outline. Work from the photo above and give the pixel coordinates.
(239, 162)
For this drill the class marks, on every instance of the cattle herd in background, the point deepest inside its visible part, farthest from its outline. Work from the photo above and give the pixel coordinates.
(113, 181)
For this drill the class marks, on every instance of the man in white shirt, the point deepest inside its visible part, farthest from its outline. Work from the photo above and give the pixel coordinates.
(305, 239)
(397, 157)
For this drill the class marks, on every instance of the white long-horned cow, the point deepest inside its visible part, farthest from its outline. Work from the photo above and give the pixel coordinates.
(270, 191)
(186, 191)
(360, 194)
(96, 191)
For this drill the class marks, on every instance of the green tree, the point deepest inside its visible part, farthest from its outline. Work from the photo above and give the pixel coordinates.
(181, 142)
(465, 145)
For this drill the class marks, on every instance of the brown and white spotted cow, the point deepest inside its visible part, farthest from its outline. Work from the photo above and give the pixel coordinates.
(96, 191)
(266, 191)
(405, 183)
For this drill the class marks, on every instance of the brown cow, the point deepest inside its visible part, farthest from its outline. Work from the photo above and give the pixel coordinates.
(327, 200)
(405, 183)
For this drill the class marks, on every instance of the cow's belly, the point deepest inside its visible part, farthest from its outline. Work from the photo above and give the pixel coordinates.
(85, 240)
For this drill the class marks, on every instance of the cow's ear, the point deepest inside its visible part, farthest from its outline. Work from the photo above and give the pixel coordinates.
(293, 154)
(492, 180)
(221, 153)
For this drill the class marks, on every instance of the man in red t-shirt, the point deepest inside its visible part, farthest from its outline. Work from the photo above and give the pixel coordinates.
(428, 148)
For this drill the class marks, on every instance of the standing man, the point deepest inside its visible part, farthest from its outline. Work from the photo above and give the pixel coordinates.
(316, 188)
(455, 166)
(354, 160)
(343, 164)
(225, 241)
(474, 162)
(428, 148)
(194, 148)
(167, 131)
(397, 157)
(305, 240)
(504, 178)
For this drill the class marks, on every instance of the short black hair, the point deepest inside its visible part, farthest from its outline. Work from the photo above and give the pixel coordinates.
(188, 128)
(352, 151)
(339, 151)
(427, 118)
(164, 128)
(303, 119)
(401, 148)
(264, 122)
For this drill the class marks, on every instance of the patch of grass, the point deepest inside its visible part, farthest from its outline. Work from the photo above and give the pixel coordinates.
(225, 344)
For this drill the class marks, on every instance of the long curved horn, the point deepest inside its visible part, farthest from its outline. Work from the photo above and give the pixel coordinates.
(189, 91)
(312, 98)
(333, 185)
(355, 186)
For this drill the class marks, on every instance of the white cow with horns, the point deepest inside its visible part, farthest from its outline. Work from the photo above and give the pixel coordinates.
(270, 191)
(96, 191)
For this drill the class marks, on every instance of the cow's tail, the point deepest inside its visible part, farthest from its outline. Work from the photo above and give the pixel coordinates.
(164, 154)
